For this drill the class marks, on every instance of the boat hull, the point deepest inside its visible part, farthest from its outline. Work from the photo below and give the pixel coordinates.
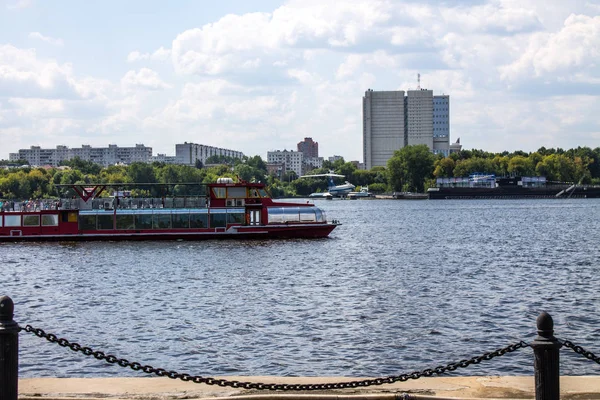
(306, 231)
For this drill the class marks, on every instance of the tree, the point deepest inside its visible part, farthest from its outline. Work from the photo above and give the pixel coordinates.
(444, 168)
(520, 166)
(409, 167)
(86, 167)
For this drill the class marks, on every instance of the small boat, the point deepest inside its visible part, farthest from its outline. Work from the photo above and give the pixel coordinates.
(362, 193)
(321, 195)
(232, 210)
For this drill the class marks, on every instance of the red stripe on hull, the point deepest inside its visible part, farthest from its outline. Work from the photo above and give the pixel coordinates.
(242, 232)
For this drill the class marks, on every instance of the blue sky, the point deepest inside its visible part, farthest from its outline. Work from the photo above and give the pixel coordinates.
(262, 75)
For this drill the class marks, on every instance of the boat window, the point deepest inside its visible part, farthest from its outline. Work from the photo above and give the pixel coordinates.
(291, 214)
(12, 220)
(161, 221)
(320, 215)
(236, 192)
(125, 221)
(275, 215)
(307, 214)
(199, 220)
(219, 192)
(218, 220)
(253, 192)
(105, 221)
(143, 221)
(31, 220)
(87, 222)
(181, 220)
(1, 219)
(50, 220)
(235, 217)
(263, 193)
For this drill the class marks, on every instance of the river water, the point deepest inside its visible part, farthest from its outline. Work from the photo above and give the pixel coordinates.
(399, 287)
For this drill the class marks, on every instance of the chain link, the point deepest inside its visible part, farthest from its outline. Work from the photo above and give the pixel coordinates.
(580, 350)
(111, 359)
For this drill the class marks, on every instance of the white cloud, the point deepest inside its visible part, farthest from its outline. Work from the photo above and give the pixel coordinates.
(145, 78)
(47, 39)
(576, 47)
(161, 54)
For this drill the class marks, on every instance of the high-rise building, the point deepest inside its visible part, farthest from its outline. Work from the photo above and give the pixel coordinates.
(392, 120)
(441, 125)
(419, 113)
(309, 148)
(383, 126)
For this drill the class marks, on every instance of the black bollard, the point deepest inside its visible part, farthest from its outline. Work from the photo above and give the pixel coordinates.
(9, 350)
(546, 360)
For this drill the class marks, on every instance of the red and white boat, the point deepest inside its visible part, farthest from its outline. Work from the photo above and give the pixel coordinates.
(240, 210)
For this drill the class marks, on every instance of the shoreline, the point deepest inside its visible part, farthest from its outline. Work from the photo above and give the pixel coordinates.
(163, 388)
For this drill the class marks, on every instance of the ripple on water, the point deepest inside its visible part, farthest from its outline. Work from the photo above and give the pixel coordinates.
(400, 286)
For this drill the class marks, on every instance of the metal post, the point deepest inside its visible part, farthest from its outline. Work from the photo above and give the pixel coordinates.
(9, 350)
(546, 360)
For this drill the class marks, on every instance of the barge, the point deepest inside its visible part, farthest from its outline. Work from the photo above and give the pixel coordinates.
(480, 186)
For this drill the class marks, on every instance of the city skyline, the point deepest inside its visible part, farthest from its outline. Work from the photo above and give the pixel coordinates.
(259, 76)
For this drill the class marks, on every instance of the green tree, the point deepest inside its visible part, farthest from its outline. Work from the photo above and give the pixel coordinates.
(409, 167)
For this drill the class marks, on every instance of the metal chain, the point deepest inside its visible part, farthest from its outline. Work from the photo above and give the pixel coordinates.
(580, 350)
(270, 386)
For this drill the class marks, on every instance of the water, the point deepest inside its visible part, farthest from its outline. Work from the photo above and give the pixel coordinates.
(401, 286)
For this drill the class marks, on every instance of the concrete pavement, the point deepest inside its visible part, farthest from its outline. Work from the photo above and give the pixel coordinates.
(156, 388)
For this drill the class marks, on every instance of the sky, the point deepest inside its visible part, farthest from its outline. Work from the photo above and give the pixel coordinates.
(257, 76)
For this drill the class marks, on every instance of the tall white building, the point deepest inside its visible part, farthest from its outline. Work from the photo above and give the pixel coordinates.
(383, 126)
(392, 120)
(419, 112)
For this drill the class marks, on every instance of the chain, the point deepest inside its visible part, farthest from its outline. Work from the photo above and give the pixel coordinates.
(580, 350)
(99, 355)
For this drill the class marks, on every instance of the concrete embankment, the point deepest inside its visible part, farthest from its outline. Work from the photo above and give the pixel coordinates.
(520, 387)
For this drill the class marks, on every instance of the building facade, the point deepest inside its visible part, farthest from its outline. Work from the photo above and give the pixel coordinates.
(392, 121)
(104, 156)
(189, 153)
(441, 125)
(309, 148)
(291, 160)
(383, 126)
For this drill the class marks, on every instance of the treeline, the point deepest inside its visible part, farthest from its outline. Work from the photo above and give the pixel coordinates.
(413, 168)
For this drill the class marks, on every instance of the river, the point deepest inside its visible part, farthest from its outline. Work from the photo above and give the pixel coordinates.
(400, 286)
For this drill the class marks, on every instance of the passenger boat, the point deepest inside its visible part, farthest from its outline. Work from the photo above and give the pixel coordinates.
(481, 186)
(240, 210)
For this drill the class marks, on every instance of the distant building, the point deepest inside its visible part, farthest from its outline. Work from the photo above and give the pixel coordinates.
(291, 160)
(189, 153)
(163, 158)
(104, 156)
(309, 148)
(392, 121)
(333, 159)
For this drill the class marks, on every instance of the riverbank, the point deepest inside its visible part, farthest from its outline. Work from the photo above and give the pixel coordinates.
(516, 387)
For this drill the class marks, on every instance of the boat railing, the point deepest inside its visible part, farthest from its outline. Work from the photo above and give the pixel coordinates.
(110, 203)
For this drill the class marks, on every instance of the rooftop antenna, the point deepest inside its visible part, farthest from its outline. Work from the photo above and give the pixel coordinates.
(418, 81)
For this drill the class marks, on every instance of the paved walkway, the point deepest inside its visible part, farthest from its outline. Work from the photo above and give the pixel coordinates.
(521, 387)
